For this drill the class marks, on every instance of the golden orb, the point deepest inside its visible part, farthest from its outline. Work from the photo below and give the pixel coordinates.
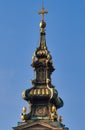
(24, 109)
(53, 109)
(42, 24)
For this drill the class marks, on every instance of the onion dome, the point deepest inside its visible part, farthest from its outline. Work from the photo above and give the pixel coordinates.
(37, 95)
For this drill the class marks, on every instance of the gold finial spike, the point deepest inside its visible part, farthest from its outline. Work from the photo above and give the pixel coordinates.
(43, 11)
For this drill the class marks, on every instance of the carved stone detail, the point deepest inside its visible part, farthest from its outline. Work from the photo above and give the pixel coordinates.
(41, 111)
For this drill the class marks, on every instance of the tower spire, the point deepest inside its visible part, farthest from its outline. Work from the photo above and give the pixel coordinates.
(42, 44)
(42, 97)
(43, 94)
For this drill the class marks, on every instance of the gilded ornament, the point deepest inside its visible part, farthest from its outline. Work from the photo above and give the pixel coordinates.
(40, 52)
(53, 109)
(45, 51)
(42, 24)
(39, 92)
(22, 117)
(24, 109)
(23, 95)
(47, 92)
(47, 80)
(48, 56)
(33, 58)
(35, 92)
(43, 92)
(31, 92)
(44, 47)
(60, 119)
(40, 111)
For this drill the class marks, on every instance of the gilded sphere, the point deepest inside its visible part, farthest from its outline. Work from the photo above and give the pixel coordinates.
(42, 24)
(24, 109)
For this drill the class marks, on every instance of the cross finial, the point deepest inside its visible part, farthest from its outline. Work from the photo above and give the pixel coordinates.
(43, 11)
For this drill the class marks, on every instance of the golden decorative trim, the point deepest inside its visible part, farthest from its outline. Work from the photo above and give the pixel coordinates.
(35, 92)
(31, 92)
(39, 92)
(43, 91)
(47, 91)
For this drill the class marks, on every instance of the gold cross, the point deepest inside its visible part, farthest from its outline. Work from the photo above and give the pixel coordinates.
(43, 11)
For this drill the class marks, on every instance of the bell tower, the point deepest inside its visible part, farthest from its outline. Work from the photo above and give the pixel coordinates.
(42, 97)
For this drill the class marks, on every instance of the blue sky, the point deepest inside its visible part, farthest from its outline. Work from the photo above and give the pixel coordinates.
(19, 36)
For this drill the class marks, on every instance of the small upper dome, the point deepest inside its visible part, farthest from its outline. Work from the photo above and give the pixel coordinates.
(42, 24)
